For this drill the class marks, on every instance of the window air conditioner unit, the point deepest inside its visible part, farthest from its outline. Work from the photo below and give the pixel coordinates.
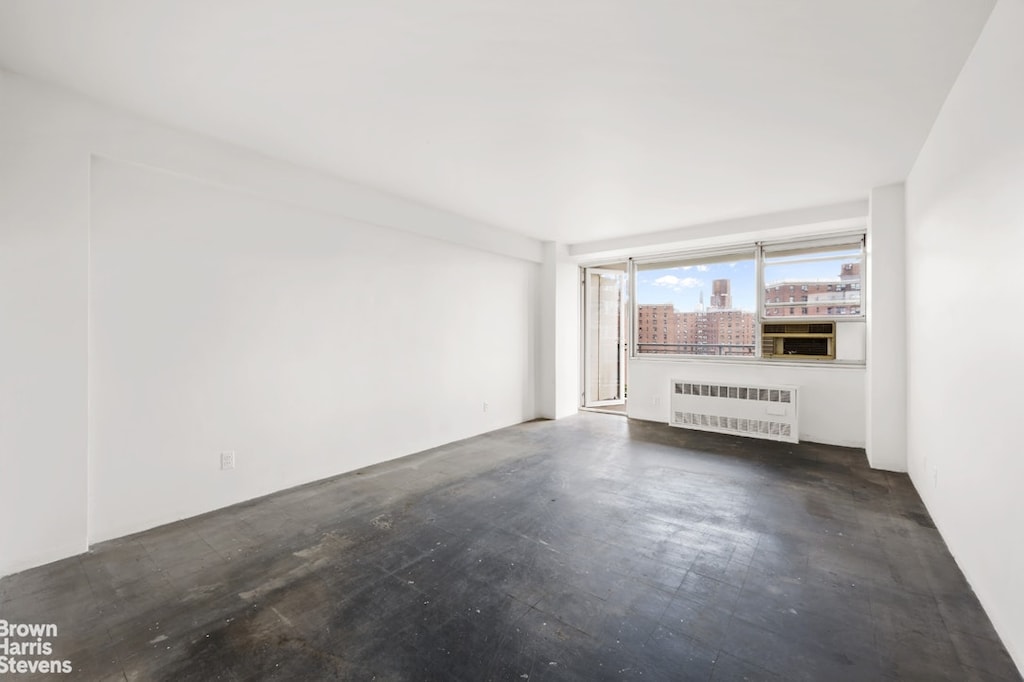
(798, 341)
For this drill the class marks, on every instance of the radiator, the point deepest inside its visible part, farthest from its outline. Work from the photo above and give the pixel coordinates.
(768, 412)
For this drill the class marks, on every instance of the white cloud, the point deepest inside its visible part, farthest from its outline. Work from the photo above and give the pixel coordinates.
(677, 283)
(703, 268)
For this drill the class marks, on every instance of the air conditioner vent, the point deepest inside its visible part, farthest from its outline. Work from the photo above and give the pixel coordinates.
(758, 428)
(811, 346)
(759, 411)
(799, 341)
(798, 328)
(729, 392)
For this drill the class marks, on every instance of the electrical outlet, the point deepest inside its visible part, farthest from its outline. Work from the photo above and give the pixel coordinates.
(227, 460)
(656, 401)
(486, 406)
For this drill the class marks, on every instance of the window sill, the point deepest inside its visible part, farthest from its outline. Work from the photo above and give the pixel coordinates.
(746, 362)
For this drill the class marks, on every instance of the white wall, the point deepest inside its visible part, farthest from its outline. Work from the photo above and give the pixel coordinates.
(559, 361)
(965, 210)
(831, 401)
(885, 289)
(795, 223)
(307, 343)
(44, 195)
(230, 321)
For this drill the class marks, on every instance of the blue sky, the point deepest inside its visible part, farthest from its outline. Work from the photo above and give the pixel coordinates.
(681, 286)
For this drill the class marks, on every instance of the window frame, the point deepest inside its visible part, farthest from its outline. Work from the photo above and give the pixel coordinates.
(759, 251)
(745, 251)
(813, 245)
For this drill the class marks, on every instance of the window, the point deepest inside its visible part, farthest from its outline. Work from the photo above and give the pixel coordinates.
(702, 295)
(691, 303)
(829, 271)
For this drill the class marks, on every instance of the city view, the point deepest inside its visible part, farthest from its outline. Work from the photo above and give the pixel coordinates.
(721, 326)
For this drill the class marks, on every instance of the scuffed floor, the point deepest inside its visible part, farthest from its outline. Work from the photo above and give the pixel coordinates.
(585, 549)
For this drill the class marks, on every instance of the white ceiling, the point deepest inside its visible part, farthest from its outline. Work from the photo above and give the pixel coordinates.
(570, 120)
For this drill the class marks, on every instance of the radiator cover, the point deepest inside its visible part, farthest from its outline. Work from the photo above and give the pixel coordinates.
(768, 412)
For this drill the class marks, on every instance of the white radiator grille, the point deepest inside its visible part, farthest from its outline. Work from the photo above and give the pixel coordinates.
(768, 412)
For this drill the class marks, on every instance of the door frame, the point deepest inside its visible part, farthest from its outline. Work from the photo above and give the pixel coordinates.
(586, 295)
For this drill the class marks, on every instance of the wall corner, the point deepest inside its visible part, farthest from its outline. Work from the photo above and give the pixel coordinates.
(886, 385)
(558, 383)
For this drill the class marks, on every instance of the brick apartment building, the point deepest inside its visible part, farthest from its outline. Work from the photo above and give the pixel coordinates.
(818, 298)
(716, 330)
(719, 329)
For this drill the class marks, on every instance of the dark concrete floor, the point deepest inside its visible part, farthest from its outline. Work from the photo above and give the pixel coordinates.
(586, 549)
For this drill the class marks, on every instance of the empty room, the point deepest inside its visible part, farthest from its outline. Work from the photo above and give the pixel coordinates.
(511, 340)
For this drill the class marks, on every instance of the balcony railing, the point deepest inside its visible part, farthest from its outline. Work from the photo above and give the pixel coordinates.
(718, 349)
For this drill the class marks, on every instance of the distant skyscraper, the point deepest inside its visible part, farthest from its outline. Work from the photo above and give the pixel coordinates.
(721, 298)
